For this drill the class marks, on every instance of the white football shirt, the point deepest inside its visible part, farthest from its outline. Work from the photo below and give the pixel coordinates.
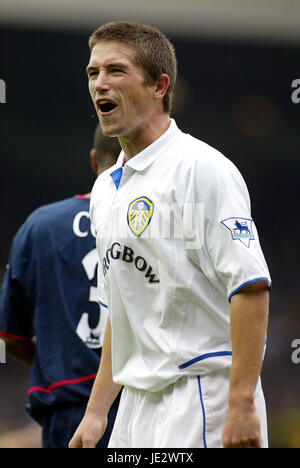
(175, 240)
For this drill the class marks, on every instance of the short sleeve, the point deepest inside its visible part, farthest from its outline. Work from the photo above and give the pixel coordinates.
(227, 246)
(16, 310)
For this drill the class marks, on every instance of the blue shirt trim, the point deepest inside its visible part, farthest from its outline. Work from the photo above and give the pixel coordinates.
(204, 356)
(203, 412)
(249, 282)
(102, 304)
(116, 176)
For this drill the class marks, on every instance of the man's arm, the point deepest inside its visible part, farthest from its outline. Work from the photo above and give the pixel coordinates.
(22, 350)
(104, 392)
(249, 318)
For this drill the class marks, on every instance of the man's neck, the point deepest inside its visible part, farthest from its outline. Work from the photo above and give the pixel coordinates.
(139, 140)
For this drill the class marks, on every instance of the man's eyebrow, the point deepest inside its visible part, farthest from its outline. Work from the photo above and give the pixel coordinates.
(117, 65)
(108, 66)
(90, 67)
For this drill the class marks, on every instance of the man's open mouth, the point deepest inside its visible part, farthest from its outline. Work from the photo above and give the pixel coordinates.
(106, 106)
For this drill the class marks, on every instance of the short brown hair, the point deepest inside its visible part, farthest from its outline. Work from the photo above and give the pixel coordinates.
(153, 51)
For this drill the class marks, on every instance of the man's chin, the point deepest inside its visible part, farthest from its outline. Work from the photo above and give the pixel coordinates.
(109, 130)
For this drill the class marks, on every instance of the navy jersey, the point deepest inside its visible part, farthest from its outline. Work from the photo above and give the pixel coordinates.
(50, 291)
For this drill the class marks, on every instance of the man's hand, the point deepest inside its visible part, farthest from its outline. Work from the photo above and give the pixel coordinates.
(89, 432)
(242, 427)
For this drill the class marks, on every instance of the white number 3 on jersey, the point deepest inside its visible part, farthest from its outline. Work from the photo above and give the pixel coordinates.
(93, 337)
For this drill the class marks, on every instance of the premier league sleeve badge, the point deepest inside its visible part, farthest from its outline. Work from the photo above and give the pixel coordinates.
(240, 229)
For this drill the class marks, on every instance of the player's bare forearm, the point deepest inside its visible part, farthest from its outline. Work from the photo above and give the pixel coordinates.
(249, 319)
(23, 351)
(103, 394)
(104, 390)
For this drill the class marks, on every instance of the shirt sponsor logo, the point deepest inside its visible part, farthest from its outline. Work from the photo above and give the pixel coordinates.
(240, 228)
(139, 214)
(126, 254)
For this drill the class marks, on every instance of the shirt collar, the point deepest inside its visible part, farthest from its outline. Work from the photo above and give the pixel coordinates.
(142, 160)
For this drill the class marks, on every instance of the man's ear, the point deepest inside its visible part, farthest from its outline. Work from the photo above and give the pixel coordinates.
(162, 86)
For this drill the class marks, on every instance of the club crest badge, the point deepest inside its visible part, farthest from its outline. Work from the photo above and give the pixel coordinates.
(240, 228)
(139, 214)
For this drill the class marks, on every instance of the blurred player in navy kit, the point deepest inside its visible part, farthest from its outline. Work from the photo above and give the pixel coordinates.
(49, 315)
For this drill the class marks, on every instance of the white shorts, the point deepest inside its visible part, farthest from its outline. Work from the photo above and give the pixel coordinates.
(187, 414)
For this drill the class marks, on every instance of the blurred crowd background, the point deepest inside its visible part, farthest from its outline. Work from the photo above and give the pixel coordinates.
(236, 68)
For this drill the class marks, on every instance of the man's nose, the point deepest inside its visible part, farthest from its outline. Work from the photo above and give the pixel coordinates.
(101, 83)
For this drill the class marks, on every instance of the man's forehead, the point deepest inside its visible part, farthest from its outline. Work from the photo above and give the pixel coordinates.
(111, 51)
